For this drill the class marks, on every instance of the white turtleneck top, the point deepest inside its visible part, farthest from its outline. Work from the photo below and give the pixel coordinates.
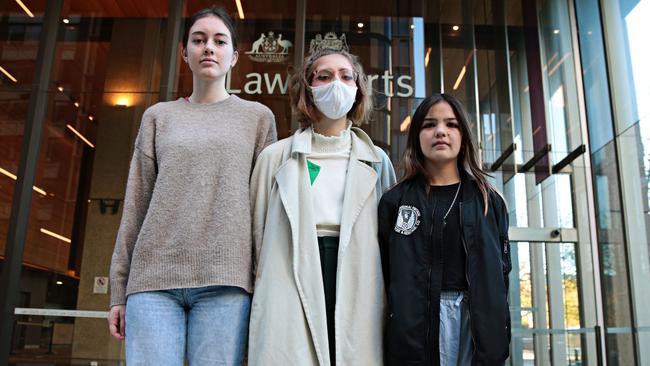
(328, 169)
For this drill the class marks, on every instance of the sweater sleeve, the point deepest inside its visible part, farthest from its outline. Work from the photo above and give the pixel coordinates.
(139, 188)
(267, 133)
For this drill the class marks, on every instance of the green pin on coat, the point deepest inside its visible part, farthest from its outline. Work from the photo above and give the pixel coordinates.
(314, 169)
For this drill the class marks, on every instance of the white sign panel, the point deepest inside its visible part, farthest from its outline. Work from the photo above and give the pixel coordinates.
(100, 285)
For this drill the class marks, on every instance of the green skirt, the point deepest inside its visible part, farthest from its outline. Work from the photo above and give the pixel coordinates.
(328, 247)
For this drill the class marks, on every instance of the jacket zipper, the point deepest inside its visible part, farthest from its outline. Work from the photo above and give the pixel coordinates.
(428, 340)
(469, 302)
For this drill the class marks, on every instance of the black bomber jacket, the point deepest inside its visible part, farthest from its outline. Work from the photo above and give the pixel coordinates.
(413, 274)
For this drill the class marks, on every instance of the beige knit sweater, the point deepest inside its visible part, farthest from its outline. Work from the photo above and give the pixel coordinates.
(186, 220)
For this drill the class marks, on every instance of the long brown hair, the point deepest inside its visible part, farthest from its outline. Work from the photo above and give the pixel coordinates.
(302, 102)
(413, 159)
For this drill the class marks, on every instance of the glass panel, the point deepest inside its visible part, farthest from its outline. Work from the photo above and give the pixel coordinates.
(596, 86)
(106, 73)
(494, 83)
(571, 295)
(563, 120)
(531, 297)
(634, 150)
(613, 266)
(626, 28)
(523, 133)
(20, 30)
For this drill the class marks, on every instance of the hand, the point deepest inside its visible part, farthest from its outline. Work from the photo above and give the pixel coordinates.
(116, 321)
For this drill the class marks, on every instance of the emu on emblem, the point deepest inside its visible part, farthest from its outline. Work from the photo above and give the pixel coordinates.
(269, 48)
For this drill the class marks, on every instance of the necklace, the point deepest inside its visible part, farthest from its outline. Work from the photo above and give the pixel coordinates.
(444, 219)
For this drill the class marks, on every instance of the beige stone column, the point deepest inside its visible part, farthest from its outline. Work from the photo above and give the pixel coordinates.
(132, 78)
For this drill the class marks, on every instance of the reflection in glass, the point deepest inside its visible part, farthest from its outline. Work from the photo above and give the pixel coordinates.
(614, 275)
(19, 40)
(559, 78)
(626, 29)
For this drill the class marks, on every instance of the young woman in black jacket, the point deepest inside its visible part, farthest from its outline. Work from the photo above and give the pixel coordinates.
(443, 234)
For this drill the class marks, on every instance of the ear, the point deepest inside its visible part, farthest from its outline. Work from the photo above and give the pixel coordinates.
(184, 54)
(235, 57)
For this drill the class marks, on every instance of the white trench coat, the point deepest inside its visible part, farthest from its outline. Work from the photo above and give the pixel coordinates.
(288, 323)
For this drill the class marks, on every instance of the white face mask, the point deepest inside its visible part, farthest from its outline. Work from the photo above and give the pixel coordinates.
(334, 99)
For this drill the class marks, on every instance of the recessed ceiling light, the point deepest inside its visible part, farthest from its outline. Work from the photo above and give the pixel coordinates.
(240, 9)
(360, 25)
(82, 137)
(455, 27)
(66, 20)
(55, 235)
(25, 9)
(7, 74)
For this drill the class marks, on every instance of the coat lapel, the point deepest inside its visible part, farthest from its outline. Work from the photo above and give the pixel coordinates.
(360, 183)
(292, 178)
(295, 193)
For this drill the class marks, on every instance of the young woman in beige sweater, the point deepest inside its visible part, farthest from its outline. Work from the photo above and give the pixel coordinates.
(181, 273)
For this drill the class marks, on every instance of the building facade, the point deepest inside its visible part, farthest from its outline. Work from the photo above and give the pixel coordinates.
(559, 97)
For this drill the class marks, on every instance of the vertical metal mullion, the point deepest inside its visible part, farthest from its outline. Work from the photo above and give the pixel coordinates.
(591, 231)
(469, 44)
(22, 199)
(441, 60)
(172, 38)
(299, 45)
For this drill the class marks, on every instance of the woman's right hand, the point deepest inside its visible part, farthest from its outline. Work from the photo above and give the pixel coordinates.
(116, 322)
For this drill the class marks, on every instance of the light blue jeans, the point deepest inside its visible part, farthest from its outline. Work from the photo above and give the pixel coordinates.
(208, 324)
(455, 336)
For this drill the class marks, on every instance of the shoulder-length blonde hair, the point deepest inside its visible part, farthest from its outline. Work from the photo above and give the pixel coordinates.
(302, 102)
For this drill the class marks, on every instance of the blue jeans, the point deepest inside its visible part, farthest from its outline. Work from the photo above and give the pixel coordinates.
(455, 336)
(209, 323)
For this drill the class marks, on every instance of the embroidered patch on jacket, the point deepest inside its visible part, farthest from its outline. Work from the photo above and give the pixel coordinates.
(408, 219)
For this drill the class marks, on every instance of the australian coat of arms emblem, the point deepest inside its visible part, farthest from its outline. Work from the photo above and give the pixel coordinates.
(329, 41)
(269, 48)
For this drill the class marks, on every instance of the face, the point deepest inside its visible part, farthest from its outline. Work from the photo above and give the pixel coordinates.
(331, 67)
(209, 51)
(440, 135)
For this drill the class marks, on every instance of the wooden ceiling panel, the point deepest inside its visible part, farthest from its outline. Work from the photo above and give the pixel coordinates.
(117, 8)
(11, 7)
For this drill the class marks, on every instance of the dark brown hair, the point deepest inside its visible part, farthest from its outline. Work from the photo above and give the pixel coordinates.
(302, 102)
(214, 11)
(413, 161)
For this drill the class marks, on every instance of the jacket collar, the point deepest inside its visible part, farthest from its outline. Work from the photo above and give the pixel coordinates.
(362, 146)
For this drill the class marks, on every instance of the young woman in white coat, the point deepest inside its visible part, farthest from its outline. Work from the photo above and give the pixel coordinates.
(319, 296)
